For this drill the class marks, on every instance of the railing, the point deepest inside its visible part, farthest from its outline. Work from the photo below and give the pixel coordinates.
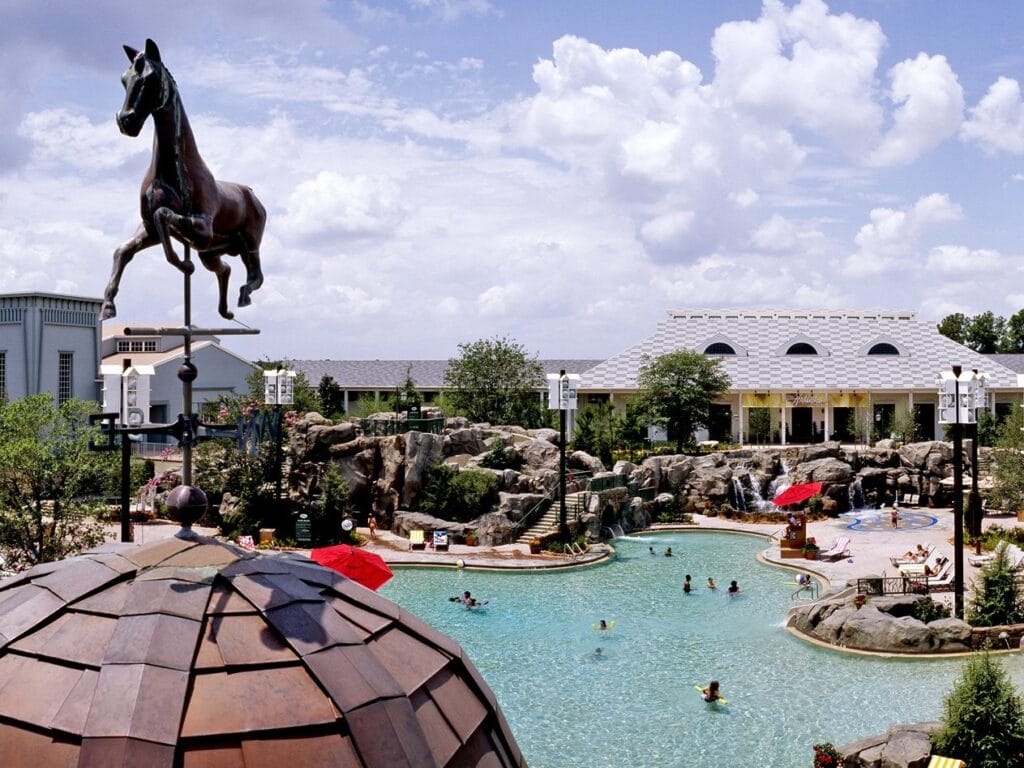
(388, 427)
(899, 585)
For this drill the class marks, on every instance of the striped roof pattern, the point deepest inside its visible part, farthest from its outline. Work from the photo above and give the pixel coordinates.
(387, 374)
(761, 339)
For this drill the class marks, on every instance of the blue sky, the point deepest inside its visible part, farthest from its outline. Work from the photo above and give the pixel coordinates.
(439, 171)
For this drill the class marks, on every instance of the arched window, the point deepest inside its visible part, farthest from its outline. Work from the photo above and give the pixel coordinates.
(883, 348)
(801, 348)
(719, 348)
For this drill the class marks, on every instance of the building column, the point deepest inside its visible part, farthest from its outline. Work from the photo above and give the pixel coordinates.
(782, 424)
(828, 419)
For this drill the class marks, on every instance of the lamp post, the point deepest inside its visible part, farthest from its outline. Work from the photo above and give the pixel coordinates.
(562, 396)
(978, 398)
(956, 391)
(278, 390)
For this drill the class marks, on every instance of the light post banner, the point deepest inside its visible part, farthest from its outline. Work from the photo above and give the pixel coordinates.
(562, 391)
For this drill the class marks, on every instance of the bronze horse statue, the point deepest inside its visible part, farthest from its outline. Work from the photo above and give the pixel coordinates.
(180, 198)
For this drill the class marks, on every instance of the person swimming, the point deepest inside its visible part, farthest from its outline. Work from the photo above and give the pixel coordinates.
(686, 584)
(668, 551)
(602, 626)
(711, 693)
(734, 588)
(651, 550)
(711, 583)
(597, 655)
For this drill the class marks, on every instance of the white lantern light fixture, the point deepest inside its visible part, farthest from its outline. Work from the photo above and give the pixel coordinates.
(279, 387)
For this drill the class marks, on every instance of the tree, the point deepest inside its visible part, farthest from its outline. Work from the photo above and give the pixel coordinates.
(954, 327)
(598, 429)
(996, 598)
(331, 397)
(46, 473)
(677, 389)
(406, 394)
(494, 380)
(984, 719)
(1008, 464)
(984, 333)
(1013, 334)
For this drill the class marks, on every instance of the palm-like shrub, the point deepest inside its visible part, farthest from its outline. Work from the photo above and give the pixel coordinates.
(996, 599)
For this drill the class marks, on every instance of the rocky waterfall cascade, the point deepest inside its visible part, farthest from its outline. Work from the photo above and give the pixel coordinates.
(739, 498)
(856, 494)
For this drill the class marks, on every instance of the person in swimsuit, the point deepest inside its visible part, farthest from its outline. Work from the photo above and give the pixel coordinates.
(686, 584)
(711, 583)
(733, 587)
(711, 693)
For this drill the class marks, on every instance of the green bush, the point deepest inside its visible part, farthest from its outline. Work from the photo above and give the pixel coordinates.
(927, 610)
(501, 457)
(984, 718)
(996, 596)
(457, 495)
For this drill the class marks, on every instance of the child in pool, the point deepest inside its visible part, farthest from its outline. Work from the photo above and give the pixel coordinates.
(733, 587)
(711, 693)
(686, 584)
(711, 583)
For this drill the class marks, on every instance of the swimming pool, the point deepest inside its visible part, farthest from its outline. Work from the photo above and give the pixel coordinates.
(636, 707)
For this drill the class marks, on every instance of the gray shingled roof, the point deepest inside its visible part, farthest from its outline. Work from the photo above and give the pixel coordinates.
(387, 374)
(842, 338)
(1013, 362)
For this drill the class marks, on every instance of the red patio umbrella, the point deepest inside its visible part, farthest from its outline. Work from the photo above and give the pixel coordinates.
(360, 565)
(797, 493)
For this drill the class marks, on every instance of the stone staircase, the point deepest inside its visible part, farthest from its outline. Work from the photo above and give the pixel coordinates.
(575, 503)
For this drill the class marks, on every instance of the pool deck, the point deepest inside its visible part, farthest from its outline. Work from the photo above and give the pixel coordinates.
(870, 549)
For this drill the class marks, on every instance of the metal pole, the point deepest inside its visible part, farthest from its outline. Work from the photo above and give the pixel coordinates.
(126, 463)
(277, 448)
(186, 384)
(563, 525)
(975, 497)
(958, 503)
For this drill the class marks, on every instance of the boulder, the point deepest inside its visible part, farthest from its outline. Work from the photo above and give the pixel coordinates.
(316, 440)
(514, 506)
(550, 435)
(421, 450)
(818, 451)
(469, 440)
(584, 462)
(907, 749)
(827, 470)
(539, 454)
(951, 635)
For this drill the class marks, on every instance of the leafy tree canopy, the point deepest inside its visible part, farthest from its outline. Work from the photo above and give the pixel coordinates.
(986, 333)
(496, 381)
(676, 391)
(47, 476)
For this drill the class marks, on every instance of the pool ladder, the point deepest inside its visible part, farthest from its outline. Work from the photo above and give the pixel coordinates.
(811, 588)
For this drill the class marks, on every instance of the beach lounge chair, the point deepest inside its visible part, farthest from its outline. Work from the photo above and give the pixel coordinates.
(986, 557)
(898, 560)
(938, 761)
(840, 548)
(416, 540)
(932, 564)
(440, 541)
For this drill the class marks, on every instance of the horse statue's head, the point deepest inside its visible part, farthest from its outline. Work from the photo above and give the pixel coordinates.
(147, 88)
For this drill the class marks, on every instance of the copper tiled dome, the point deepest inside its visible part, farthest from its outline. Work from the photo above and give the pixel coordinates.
(189, 652)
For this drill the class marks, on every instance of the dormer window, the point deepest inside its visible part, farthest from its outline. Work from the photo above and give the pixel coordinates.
(801, 348)
(883, 348)
(719, 348)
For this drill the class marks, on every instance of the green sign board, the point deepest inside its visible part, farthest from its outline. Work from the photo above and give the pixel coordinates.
(303, 532)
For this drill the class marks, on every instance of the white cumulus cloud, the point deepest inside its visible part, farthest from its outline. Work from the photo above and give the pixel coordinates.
(997, 122)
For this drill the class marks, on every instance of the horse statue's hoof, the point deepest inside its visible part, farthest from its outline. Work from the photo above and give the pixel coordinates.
(108, 311)
(227, 314)
(244, 298)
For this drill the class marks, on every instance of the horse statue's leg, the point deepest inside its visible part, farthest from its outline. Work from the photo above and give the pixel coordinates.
(122, 255)
(214, 263)
(169, 224)
(253, 277)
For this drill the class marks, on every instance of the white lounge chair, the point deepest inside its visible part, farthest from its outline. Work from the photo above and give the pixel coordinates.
(899, 560)
(986, 557)
(840, 548)
(930, 565)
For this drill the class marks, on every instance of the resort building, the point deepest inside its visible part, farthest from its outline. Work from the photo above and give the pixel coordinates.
(796, 376)
(49, 343)
(140, 374)
(371, 379)
(807, 376)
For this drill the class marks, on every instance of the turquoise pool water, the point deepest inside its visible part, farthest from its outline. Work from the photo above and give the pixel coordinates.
(636, 707)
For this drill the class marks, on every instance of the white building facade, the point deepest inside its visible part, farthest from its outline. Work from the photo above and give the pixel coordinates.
(807, 376)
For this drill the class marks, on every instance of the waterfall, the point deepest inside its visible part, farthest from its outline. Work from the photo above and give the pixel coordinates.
(739, 500)
(780, 482)
(616, 529)
(756, 499)
(856, 494)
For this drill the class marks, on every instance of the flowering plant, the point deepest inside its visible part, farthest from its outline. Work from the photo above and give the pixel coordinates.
(859, 600)
(827, 756)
